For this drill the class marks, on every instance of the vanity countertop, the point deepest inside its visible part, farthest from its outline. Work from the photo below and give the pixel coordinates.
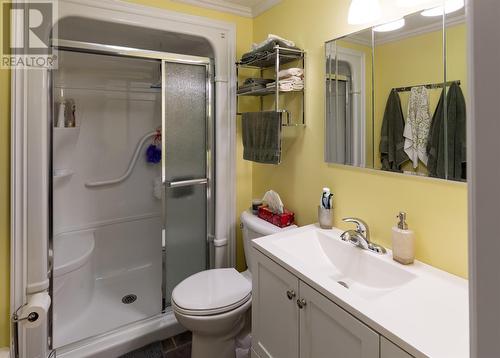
(427, 315)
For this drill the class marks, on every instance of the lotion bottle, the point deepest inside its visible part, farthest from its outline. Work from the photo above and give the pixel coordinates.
(403, 242)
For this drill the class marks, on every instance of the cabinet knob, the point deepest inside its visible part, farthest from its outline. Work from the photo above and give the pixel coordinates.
(290, 294)
(301, 303)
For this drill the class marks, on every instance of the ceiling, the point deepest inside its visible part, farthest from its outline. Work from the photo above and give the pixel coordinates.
(247, 8)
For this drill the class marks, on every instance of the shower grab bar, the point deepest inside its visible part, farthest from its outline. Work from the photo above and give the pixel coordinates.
(181, 183)
(130, 166)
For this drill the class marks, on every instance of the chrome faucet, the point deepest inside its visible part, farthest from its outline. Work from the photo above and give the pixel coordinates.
(360, 237)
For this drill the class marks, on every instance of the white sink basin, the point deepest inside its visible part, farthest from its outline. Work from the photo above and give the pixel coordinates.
(360, 271)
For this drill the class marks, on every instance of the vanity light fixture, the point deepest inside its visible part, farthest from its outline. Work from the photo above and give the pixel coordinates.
(449, 7)
(364, 12)
(390, 26)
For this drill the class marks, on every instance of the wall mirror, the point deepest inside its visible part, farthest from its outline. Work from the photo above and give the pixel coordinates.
(396, 96)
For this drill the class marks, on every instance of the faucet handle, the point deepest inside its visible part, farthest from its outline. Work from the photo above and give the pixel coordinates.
(361, 226)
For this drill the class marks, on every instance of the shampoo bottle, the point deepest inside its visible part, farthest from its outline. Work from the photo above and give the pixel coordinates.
(403, 242)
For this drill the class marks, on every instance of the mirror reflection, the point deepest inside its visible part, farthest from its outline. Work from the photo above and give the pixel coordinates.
(396, 98)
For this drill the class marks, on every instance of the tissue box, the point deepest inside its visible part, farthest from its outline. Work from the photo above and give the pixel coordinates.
(281, 220)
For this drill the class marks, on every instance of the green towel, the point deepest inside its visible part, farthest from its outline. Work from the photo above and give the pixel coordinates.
(451, 145)
(261, 133)
(392, 154)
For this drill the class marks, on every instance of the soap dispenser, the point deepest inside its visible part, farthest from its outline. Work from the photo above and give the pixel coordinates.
(403, 242)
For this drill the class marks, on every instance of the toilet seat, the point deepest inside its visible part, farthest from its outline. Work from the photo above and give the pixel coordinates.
(211, 292)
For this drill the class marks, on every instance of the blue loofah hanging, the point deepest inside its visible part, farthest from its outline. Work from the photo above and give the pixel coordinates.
(153, 152)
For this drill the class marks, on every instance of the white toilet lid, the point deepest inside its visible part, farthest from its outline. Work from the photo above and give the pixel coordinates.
(211, 292)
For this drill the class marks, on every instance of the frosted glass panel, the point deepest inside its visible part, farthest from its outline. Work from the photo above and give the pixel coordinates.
(185, 159)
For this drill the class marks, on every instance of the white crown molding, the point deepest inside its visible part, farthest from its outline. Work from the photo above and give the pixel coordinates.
(232, 8)
(263, 6)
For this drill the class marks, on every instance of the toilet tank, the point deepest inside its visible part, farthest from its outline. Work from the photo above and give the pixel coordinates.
(254, 227)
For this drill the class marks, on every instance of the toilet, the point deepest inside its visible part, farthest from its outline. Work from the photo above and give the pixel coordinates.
(212, 304)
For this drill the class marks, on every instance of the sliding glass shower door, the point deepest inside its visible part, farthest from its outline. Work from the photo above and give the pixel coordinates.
(187, 169)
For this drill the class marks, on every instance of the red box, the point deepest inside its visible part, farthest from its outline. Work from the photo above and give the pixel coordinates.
(281, 220)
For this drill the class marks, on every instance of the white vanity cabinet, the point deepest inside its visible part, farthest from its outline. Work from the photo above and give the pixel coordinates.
(290, 319)
(275, 315)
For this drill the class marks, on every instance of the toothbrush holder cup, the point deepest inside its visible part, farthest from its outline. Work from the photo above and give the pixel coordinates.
(325, 217)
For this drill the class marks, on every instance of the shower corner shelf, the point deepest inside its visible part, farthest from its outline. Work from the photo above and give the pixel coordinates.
(273, 61)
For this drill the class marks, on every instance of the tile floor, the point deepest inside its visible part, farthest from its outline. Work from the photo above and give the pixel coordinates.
(178, 346)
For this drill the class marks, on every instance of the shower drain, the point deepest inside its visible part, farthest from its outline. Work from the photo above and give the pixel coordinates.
(128, 299)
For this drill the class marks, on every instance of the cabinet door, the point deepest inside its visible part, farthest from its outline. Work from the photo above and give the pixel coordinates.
(327, 331)
(275, 316)
(390, 350)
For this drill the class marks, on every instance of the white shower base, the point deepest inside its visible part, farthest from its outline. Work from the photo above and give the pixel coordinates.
(106, 311)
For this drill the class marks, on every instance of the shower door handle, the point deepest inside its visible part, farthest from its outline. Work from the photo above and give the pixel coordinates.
(181, 183)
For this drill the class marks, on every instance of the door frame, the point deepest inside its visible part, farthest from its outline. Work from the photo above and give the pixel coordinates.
(221, 35)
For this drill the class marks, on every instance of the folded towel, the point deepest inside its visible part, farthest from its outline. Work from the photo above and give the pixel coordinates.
(250, 88)
(270, 38)
(261, 132)
(297, 72)
(288, 84)
(265, 55)
(258, 80)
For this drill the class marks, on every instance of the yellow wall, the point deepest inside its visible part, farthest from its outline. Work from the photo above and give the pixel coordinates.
(437, 210)
(403, 63)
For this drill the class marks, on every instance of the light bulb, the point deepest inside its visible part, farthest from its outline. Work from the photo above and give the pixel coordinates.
(390, 26)
(449, 7)
(364, 12)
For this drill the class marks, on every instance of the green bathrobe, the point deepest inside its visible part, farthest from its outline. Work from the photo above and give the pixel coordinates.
(392, 154)
(446, 146)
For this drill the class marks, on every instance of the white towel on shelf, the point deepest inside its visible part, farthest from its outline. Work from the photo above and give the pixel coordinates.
(291, 72)
(271, 38)
(292, 83)
(418, 123)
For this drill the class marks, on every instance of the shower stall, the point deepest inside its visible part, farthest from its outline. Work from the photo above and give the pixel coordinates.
(129, 199)
(120, 241)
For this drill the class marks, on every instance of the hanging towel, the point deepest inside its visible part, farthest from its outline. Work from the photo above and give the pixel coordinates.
(451, 146)
(418, 123)
(261, 133)
(392, 152)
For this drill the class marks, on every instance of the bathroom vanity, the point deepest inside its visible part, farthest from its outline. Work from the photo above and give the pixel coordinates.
(317, 296)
